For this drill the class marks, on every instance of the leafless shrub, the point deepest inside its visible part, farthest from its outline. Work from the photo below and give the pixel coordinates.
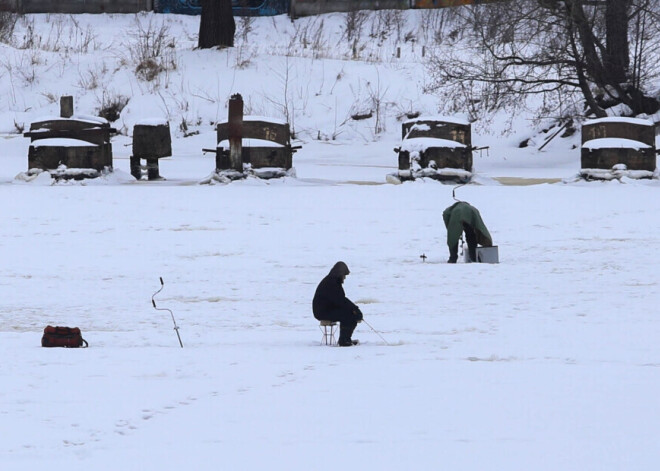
(28, 75)
(286, 104)
(314, 35)
(79, 39)
(185, 124)
(243, 53)
(111, 105)
(152, 49)
(30, 40)
(432, 24)
(177, 105)
(377, 96)
(50, 97)
(243, 57)
(406, 111)
(251, 108)
(148, 69)
(7, 26)
(92, 78)
(309, 34)
(9, 68)
(23, 65)
(20, 127)
(370, 103)
(353, 23)
(319, 43)
(89, 80)
(385, 23)
(245, 26)
(353, 28)
(63, 34)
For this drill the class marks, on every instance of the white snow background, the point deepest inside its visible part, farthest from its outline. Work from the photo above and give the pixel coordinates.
(549, 360)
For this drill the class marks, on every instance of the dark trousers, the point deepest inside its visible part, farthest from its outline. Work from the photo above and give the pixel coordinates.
(347, 321)
(471, 239)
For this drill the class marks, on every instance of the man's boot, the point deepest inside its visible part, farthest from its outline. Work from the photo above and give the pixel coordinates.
(453, 254)
(472, 251)
(345, 332)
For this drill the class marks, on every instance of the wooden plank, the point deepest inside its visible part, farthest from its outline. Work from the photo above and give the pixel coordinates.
(461, 133)
(621, 129)
(260, 157)
(95, 135)
(606, 158)
(253, 129)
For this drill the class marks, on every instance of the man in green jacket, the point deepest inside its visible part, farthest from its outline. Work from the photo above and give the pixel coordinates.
(462, 217)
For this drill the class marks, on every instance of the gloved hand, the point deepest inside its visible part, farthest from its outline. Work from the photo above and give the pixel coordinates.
(358, 314)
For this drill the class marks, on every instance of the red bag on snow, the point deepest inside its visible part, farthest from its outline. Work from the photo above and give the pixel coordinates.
(70, 337)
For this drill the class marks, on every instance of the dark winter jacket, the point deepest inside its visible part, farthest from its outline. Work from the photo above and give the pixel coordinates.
(460, 214)
(330, 301)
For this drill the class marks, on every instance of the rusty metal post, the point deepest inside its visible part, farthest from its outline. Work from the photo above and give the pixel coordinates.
(66, 106)
(236, 132)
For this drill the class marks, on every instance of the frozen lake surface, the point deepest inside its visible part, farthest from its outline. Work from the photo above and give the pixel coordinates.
(548, 360)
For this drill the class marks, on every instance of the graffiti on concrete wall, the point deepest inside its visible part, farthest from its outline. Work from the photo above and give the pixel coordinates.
(240, 7)
(187, 7)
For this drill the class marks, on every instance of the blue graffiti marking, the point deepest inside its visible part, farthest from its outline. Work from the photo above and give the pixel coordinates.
(239, 7)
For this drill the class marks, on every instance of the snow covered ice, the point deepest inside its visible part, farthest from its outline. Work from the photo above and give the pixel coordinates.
(554, 349)
(549, 360)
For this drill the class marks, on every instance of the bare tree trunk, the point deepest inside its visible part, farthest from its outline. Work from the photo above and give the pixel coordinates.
(616, 59)
(217, 25)
(587, 39)
(607, 60)
(590, 100)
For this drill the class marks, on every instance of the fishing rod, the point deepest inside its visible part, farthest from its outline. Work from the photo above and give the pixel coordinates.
(376, 332)
(176, 327)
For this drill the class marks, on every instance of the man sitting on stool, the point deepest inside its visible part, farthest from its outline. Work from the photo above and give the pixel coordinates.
(463, 217)
(331, 304)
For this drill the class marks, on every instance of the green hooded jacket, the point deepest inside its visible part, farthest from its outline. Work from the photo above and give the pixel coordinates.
(463, 213)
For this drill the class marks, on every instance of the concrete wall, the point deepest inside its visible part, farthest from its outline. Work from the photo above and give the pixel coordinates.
(76, 6)
(315, 7)
(296, 8)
